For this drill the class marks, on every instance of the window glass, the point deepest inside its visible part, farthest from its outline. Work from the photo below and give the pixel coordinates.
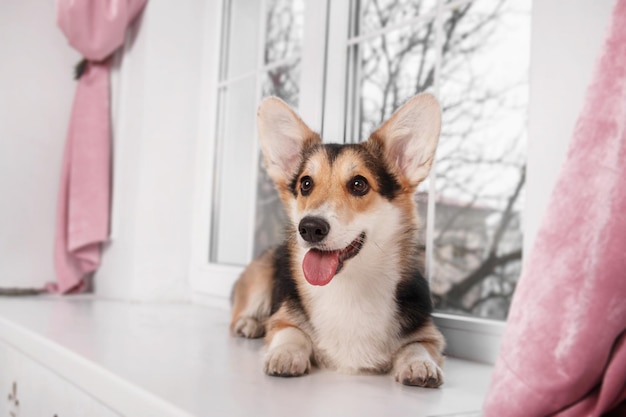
(283, 30)
(232, 221)
(392, 68)
(261, 53)
(283, 45)
(379, 14)
(481, 161)
(270, 216)
(474, 56)
(240, 38)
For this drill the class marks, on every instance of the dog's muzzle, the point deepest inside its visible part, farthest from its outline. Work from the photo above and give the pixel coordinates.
(319, 267)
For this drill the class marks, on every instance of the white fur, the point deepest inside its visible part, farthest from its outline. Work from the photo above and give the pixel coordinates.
(249, 327)
(250, 323)
(341, 234)
(289, 353)
(415, 365)
(355, 317)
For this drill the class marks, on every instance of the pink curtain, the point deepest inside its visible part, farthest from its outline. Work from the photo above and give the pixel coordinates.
(564, 348)
(96, 28)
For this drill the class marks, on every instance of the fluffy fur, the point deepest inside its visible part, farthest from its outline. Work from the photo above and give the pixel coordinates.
(352, 213)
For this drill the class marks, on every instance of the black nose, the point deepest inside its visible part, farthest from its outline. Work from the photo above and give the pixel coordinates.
(313, 229)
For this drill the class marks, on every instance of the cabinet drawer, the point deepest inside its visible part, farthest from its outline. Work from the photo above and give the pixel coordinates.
(28, 389)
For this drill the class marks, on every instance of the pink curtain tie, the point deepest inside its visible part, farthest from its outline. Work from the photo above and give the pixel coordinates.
(96, 28)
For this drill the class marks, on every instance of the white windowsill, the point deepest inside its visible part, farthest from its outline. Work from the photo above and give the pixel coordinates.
(147, 359)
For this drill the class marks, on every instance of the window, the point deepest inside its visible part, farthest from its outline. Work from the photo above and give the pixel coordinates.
(474, 56)
(261, 54)
(364, 58)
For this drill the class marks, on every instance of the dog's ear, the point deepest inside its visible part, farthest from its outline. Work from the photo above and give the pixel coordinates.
(283, 136)
(409, 138)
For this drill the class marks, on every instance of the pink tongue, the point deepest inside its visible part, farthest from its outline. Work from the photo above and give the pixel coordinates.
(320, 267)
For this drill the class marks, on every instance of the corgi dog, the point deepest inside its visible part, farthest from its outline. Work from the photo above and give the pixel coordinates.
(345, 290)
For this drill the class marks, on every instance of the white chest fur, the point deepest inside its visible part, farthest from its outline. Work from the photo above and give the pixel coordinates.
(354, 317)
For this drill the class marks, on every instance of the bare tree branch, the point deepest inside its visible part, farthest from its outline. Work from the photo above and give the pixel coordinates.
(458, 291)
(491, 296)
(507, 214)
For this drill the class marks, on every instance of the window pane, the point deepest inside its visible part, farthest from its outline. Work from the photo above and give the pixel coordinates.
(481, 158)
(247, 74)
(283, 29)
(392, 68)
(378, 14)
(479, 173)
(240, 38)
(282, 82)
(233, 196)
(283, 44)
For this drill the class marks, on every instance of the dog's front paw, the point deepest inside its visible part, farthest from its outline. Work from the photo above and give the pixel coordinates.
(249, 327)
(419, 372)
(287, 360)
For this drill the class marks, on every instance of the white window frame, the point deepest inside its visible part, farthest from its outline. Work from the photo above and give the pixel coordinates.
(213, 280)
(471, 338)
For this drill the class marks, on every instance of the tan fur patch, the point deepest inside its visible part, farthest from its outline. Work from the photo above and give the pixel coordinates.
(431, 339)
(282, 184)
(280, 320)
(331, 181)
(252, 291)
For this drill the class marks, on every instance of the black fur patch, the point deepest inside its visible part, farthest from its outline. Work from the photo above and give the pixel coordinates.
(414, 303)
(387, 182)
(333, 150)
(285, 290)
(306, 154)
(293, 185)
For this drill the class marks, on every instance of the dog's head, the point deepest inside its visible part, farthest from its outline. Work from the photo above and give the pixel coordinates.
(342, 198)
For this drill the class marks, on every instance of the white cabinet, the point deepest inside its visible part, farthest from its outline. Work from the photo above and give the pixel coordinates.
(29, 389)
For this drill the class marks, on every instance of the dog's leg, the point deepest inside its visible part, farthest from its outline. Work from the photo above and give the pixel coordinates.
(420, 360)
(289, 348)
(252, 297)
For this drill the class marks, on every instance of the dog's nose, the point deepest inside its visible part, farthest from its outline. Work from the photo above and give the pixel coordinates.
(313, 229)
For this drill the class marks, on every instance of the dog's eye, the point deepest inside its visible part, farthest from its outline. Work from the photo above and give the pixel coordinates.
(306, 185)
(358, 186)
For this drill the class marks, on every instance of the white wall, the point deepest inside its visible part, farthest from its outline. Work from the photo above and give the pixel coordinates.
(566, 42)
(36, 92)
(157, 93)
